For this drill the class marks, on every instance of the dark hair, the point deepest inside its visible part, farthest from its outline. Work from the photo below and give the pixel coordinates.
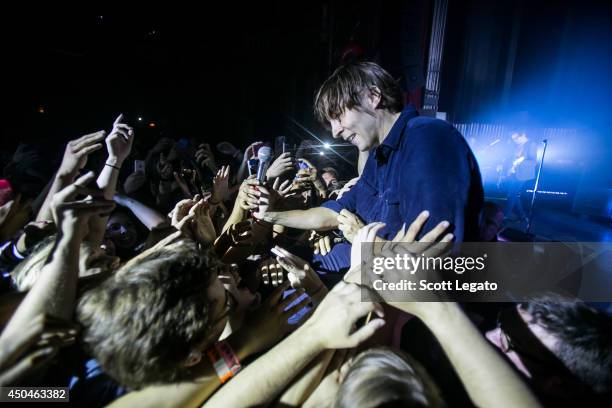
(344, 90)
(584, 337)
(142, 323)
(383, 377)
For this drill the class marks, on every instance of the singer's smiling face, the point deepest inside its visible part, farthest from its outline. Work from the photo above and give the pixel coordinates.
(359, 125)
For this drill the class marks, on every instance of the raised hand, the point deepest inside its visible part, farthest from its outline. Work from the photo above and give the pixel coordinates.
(240, 234)
(119, 142)
(349, 224)
(267, 201)
(299, 272)
(248, 195)
(71, 216)
(76, 152)
(334, 320)
(221, 185)
(192, 217)
(179, 212)
(433, 243)
(283, 164)
(205, 158)
(365, 234)
(249, 153)
(322, 243)
(405, 240)
(283, 189)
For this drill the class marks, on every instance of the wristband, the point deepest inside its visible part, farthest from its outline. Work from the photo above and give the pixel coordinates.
(224, 361)
(110, 165)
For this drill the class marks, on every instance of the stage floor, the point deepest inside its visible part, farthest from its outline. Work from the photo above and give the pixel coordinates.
(557, 225)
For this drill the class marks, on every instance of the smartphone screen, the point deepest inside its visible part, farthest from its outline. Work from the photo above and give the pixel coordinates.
(279, 145)
(252, 166)
(139, 166)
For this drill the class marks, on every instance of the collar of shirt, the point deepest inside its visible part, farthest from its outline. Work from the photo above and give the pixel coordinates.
(393, 139)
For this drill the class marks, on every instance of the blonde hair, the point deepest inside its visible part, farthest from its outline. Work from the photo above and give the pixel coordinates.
(27, 272)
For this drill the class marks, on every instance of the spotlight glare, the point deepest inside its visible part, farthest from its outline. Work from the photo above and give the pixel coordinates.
(321, 153)
(140, 119)
(325, 145)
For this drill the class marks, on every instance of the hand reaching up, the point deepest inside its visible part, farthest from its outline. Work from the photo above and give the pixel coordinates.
(283, 164)
(71, 216)
(77, 151)
(334, 320)
(299, 272)
(221, 185)
(119, 142)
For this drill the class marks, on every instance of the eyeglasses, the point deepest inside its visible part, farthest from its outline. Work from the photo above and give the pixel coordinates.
(516, 336)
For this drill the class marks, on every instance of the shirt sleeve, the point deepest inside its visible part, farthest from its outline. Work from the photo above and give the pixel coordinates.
(347, 202)
(445, 174)
(349, 199)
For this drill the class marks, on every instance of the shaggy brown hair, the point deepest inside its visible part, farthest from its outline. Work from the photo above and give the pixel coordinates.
(142, 323)
(345, 87)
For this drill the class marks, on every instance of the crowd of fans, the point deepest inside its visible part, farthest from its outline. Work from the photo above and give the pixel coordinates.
(151, 280)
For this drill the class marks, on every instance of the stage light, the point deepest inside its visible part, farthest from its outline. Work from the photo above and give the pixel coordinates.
(140, 119)
(325, 145)
(152, 124)
(41, 109)
(321, 153)
(560, 193)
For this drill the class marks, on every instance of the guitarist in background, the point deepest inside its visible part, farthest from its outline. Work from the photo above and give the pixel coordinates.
(521, 174)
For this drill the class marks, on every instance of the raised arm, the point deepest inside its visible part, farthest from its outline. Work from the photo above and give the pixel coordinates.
(488, 379)
(75, 158)
(318, 218)
(331, 327)
(118, 145)
(55, 291)
(147, 215)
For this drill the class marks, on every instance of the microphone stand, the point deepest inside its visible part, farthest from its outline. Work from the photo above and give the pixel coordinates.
(535, 188)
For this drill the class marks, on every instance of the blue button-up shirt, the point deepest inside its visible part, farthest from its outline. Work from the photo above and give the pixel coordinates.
(423, 164)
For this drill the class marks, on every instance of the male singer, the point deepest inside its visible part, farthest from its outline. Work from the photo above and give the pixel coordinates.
(415, 163)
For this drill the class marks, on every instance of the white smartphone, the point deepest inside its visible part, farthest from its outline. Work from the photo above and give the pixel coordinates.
(276, 252)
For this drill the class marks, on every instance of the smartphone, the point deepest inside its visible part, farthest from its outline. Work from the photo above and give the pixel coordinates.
(252, 165)
(279, 145)
(139, 166)
(276, 252)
